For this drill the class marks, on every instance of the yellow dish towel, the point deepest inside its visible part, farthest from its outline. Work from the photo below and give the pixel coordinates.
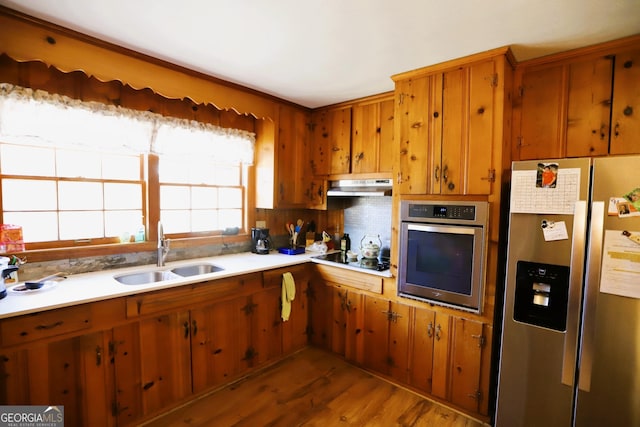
(288, 294)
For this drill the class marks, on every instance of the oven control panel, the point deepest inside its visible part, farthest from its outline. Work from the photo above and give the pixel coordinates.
(442, 211)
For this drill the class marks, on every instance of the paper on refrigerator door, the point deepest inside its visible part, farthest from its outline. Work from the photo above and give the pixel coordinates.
(620, 264)
(528, 197)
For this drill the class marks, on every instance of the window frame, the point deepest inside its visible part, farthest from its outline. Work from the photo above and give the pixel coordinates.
(61, 249)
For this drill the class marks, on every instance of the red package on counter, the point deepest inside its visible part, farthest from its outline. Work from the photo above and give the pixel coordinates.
(11, 239)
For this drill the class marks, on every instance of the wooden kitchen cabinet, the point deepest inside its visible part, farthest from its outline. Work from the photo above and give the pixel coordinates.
(428, 348)
(123, 360)
(188, 351)
(468, 351)
(354, 138)
(283, 166)
(449, 358)
(321, 297)
(61, 357)
(220, 342)
(152, 365)
(73, 372)
(295, 331)
(331, 153)
(625, 113)
(230, 337)
(416, 121)
(386, 337)
(165, 379)
(430, 353)
(580, 103)
(372, 137)
(451, 122)
(346, 314)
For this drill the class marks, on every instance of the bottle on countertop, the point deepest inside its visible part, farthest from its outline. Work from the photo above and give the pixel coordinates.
(345, 243)
(140, 233)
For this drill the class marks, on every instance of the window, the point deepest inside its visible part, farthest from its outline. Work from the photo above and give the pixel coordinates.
(197, 194)
(72, 171)
(62, 194)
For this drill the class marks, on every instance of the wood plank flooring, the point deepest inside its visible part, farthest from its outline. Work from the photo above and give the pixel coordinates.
(313, 388)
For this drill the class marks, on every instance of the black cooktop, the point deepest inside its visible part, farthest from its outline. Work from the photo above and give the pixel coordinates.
(364, 263)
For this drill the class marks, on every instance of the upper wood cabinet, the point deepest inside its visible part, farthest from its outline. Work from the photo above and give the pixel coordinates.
(580, 103)
(283, 151)
(353, 138)
(450, 125)
(372, 137)
(331, 153)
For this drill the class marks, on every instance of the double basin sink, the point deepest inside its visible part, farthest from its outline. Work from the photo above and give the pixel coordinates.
(154, 276)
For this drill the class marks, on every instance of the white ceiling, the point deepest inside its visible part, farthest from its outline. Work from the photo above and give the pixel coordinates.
(316, 53)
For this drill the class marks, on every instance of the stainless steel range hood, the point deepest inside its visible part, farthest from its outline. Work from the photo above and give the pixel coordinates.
(360, 187)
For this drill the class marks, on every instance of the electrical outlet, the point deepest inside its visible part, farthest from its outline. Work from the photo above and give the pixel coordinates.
(261, 224)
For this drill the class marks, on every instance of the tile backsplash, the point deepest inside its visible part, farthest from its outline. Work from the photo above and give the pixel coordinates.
(368, 215)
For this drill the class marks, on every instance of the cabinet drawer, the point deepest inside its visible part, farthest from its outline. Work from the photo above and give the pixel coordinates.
(186, 296)
(350, 278)
(31, 327)
(273, 278)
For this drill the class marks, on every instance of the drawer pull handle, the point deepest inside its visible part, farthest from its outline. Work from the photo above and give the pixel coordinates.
(148, 385)
(51, 326)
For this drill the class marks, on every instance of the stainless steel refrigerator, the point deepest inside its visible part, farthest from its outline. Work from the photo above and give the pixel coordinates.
(570, 344)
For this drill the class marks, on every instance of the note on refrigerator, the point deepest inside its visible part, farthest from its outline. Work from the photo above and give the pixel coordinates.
(621, 263)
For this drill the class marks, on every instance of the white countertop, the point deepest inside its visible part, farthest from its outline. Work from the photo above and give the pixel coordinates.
(101, 285)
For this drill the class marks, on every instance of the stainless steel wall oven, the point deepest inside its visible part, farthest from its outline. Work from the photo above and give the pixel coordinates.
(442, 252)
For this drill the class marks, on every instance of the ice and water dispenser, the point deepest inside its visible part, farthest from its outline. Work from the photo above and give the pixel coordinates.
(541, 296)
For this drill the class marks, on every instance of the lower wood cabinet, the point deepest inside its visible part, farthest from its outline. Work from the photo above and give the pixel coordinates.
(430, 352)
(156, 350)
(386, 337)
(73, 372)
(433, 351)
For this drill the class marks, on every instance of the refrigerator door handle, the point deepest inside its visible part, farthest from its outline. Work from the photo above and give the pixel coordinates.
(594, 260)
(576, 276)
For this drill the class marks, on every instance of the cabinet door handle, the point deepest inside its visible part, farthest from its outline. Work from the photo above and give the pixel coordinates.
(438, 332)
(617, 130)
(430, 330)
(436, 174)
(186, 329)
(445, 173)
(98, 355)
(194, 327)
(480, 338)
(491, 176)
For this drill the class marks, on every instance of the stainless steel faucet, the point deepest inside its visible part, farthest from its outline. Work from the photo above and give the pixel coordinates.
(163, 246)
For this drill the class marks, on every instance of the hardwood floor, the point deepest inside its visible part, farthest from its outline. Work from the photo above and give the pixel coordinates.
(313, 388)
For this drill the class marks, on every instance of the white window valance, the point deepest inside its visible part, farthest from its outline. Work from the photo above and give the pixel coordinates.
(36, 117)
